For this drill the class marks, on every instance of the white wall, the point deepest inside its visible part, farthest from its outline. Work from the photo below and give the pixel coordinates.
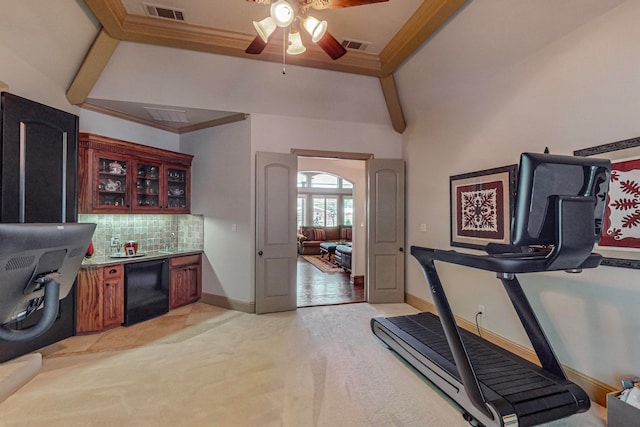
(112, 127)
(223, 179)
(28, 82)
(221, 191)
(354, 171)
(580, 91)
(174, 77)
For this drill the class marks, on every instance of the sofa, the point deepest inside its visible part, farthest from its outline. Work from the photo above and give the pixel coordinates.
(310, 237)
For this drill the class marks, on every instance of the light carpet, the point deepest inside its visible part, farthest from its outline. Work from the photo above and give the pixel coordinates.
(318, 366)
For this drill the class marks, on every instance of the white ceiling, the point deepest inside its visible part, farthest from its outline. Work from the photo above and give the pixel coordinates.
(376, 23)
(484, 37)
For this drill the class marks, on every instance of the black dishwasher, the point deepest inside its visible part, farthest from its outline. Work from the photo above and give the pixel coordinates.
(146, 291)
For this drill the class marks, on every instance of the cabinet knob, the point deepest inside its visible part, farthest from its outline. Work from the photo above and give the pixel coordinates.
(113, 271)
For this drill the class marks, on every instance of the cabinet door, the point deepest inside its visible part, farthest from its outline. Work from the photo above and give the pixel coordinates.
(186, 280)
(113, 296)
(89, 304)
(178, 288)
(113, 303)
(194, 286)
(111, 184)
(177, 180)
(148, 193)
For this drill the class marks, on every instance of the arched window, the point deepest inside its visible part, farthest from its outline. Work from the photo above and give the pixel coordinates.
(324, 199)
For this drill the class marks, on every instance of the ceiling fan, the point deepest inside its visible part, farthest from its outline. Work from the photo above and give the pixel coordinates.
(290, 15)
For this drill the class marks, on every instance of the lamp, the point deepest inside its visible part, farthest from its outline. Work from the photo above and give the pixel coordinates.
(265, 28)
(295, 44)
(315, 28)
(282, 13)
(290, 15)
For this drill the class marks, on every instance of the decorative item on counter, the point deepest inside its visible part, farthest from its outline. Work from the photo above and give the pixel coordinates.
(89, 252)
(131, 248)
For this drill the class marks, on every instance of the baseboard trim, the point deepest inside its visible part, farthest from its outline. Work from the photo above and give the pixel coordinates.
(596, 390)
(231, 304)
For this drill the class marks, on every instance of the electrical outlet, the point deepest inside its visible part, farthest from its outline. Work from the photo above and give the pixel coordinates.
(483, 313)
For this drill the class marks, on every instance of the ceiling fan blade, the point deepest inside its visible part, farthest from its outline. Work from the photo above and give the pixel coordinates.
(256, 46)
(336, 4)
(329, 44)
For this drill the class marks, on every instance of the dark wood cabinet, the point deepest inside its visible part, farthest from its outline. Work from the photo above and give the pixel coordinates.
(186, 280)
(123, 177)
(100, 291)
(100, 303)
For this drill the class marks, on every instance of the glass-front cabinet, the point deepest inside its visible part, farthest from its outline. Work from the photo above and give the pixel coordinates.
(112, 192)
(177, 188)
(148, 191)
(117, 176)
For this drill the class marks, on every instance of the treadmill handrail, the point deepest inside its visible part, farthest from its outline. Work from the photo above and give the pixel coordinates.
(532, 327)
(460, 355)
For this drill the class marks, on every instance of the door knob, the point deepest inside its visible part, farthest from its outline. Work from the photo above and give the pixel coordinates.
(401, 249)
(260, 253)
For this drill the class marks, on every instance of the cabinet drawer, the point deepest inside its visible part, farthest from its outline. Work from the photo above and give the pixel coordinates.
(113, 272)
(184, 260)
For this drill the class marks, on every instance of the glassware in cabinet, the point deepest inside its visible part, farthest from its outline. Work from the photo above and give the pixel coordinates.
(112, 191)
(147, 194)
(177, 188)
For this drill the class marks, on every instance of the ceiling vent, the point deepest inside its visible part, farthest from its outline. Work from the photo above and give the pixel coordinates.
(355, 45)
(167, 115)
(157, 11)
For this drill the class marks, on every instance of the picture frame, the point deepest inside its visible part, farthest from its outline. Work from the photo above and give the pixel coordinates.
(129, 251)
(481, 207)
(617, 246)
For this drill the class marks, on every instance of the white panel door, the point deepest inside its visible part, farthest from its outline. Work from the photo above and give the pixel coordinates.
(385, 264)
(276, 254)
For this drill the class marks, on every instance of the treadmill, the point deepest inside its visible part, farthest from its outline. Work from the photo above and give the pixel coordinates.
(558, 218)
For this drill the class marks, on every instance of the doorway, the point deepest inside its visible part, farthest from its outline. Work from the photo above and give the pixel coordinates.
(331, 195)
(276, 245)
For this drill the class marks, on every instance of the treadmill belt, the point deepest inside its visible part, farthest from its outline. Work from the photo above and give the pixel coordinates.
(524, 385)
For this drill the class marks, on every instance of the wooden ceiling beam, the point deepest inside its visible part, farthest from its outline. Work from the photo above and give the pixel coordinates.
(392, 99)
(92, 66)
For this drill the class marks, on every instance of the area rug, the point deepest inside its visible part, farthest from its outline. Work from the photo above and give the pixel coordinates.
(322, 264)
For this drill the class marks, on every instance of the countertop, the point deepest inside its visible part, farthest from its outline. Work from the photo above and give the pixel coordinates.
(99, 261)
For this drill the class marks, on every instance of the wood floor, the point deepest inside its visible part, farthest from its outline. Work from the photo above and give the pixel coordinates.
(318, 288)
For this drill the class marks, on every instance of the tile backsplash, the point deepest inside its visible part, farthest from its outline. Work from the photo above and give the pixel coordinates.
(152, 232)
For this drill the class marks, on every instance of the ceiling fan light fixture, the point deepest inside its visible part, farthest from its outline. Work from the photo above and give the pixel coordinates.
(282, 13)
(265, 28)
(315, 28)
(295, 44)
